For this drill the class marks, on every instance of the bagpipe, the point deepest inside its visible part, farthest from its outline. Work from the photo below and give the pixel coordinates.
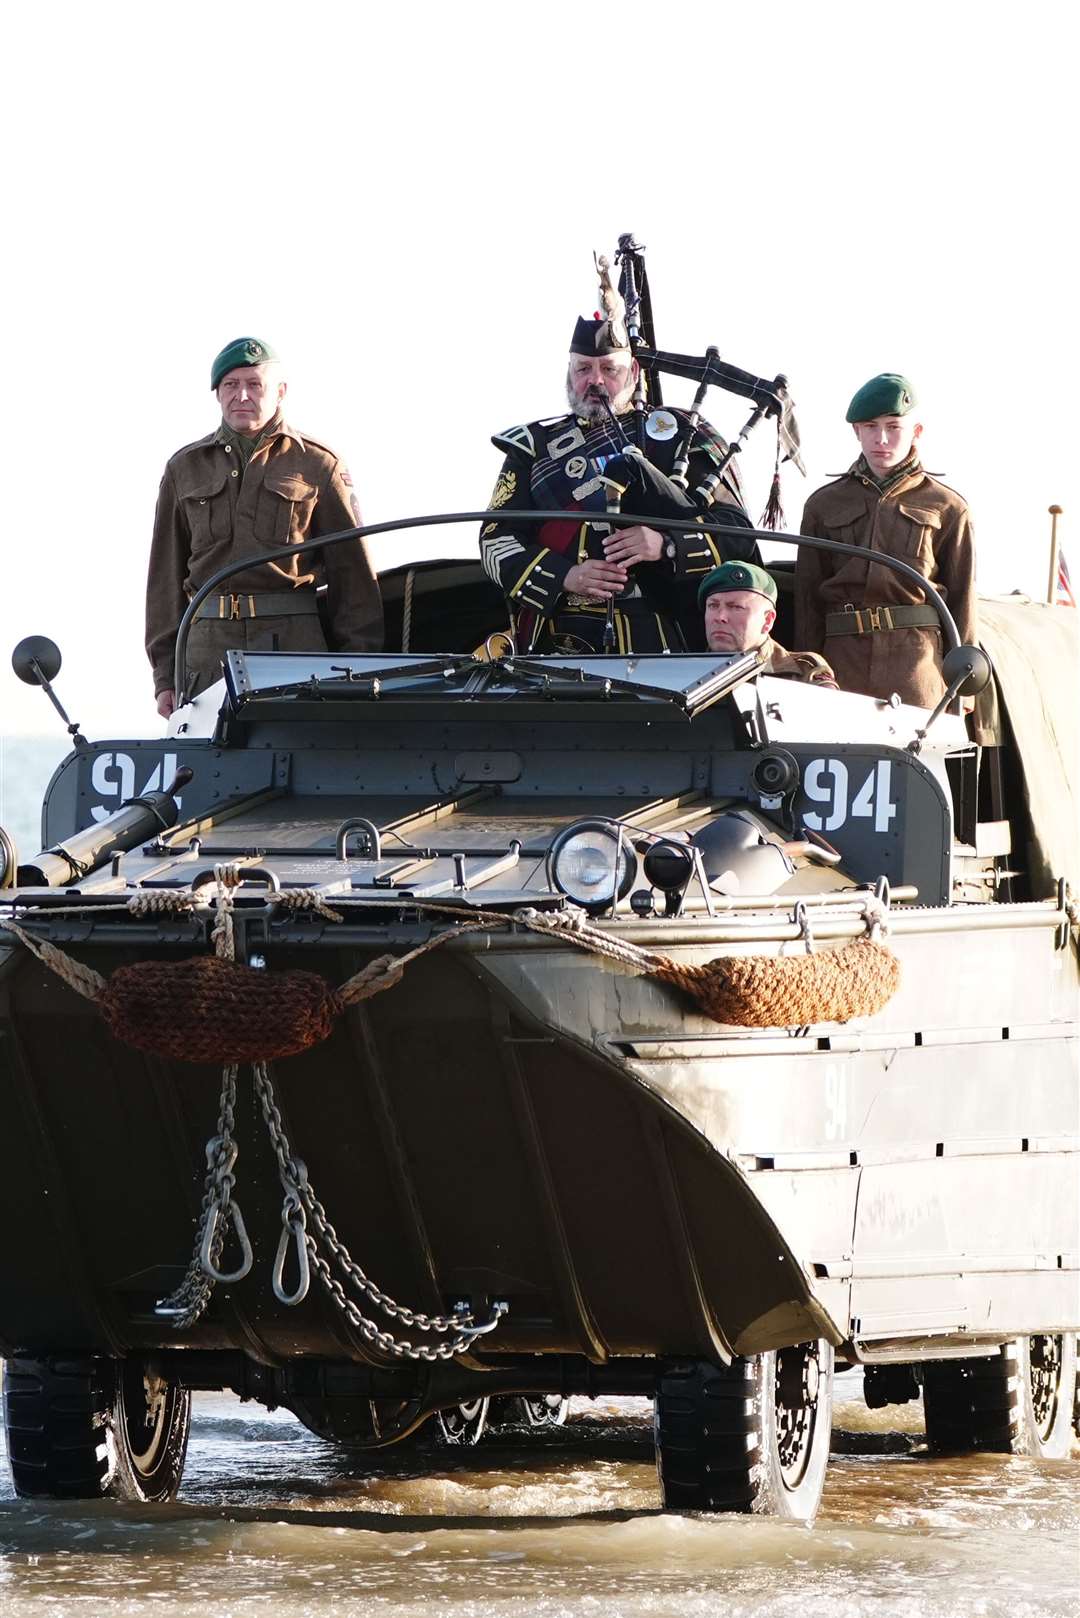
(771, 399)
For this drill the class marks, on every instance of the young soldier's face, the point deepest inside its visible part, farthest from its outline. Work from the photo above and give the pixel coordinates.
(249, 397)
(737, 620)
(886, 441)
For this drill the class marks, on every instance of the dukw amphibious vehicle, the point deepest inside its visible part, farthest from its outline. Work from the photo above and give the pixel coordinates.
(411, 1030)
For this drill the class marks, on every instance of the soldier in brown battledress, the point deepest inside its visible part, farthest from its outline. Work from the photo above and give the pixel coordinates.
(254, 485)
(739, 603)
(875, 627)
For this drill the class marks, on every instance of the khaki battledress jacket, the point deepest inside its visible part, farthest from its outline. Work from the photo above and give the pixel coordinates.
(919, 521)
(211, 510)
(806, 666)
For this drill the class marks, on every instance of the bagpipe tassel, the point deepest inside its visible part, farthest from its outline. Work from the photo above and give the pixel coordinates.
(773, 515)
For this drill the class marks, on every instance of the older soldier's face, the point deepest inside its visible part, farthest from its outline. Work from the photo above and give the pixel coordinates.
(249, 398)
(737, 620)
(616, 373)
(887, 440)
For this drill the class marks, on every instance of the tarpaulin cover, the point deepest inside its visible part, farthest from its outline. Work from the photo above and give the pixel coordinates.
(1035, 650)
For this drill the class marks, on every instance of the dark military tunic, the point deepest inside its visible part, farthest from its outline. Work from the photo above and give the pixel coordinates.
(212, 509)
(558, 464)
(919, 521)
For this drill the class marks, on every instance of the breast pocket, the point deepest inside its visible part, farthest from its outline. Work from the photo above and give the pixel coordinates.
(919, 528)
(283, 514)
(206, 507)
(847, 524)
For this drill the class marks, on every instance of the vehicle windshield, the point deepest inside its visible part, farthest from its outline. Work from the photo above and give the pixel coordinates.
(689, 680)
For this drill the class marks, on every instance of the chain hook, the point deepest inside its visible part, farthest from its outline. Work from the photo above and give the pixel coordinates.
(293, 1230)
(293, 1175)
(231, 1210)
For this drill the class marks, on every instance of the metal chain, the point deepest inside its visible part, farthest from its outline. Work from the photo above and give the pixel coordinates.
(304, 1222)
(294, 1178)
(185, 1306)
(383, 1340)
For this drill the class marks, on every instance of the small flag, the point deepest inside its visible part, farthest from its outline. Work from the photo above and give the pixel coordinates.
(1063, 596)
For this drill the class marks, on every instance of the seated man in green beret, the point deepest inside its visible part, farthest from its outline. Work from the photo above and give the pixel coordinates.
(254, 484)
(876, 628)
(739, 603)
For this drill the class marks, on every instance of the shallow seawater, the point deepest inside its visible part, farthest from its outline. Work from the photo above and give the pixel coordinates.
(272, 1521)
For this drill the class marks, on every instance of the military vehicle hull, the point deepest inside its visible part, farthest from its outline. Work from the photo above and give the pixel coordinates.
(521, 1131)
(630, 1178)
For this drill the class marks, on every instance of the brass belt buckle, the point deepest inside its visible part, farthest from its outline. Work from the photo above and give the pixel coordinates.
(234, 606)
(874, 615)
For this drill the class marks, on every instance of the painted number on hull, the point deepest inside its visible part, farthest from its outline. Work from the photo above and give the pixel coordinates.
(113, 776)
(827, 781)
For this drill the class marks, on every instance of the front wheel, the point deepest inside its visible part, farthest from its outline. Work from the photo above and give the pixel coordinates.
(90, 1429)
(752, 1436)
(1018, 1401)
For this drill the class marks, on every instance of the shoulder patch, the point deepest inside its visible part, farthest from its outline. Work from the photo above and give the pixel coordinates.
(518, 438)
(505, 484)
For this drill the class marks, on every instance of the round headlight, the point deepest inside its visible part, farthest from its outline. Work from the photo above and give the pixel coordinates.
(668, 866)
(585, 863)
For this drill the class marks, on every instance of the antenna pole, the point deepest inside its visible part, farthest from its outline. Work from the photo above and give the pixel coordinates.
(1055, 552)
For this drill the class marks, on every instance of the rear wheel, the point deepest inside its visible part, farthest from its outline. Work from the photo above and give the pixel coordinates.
(1019, 1401)
(86, 1429)
(543, 1409)
(462, 1424)
(528, 1410)
(752, 1436)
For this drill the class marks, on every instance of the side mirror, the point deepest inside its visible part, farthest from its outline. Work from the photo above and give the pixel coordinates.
(36, 660)
(970, 666)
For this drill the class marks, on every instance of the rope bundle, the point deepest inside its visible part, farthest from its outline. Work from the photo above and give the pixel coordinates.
(211, 1008)
(789, 991)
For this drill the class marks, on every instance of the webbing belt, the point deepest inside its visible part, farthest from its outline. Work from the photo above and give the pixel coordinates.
(261, 604)
(869, 620)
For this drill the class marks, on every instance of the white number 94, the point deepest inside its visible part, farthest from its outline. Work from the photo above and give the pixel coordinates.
(827, 781)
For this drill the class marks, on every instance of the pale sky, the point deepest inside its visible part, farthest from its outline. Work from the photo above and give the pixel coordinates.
(405, 201)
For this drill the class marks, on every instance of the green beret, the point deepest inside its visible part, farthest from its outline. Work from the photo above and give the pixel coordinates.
(241, 351)
(884, 395)
(737, 576)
